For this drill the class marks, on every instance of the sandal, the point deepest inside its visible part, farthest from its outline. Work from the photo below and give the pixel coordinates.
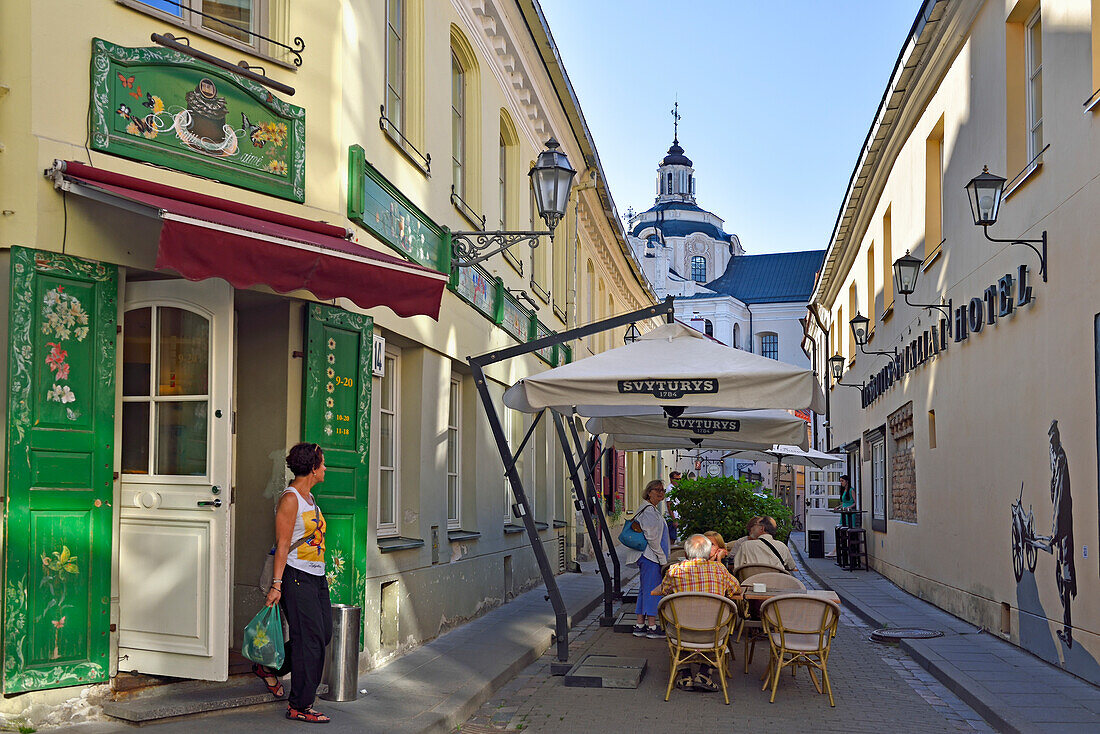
(263, 674)
(704, 684)
(684, 682)
(308, 714)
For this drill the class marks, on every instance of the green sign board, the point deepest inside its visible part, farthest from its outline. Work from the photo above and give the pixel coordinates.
(161, 106)
(376, 204)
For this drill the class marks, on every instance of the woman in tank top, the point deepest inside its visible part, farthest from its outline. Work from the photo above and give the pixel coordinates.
(299, 583)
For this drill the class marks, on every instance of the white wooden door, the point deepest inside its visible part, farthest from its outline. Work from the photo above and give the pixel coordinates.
(174, 534)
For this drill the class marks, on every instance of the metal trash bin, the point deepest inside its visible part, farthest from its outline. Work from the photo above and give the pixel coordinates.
(342, 660)
(816, 542)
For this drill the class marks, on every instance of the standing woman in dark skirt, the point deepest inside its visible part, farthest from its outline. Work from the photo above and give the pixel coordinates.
(299, 582)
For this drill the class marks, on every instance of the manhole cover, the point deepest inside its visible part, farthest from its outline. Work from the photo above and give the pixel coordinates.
(896, 633)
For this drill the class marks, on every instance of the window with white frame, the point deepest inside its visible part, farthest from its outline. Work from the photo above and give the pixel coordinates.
(878, 478)
(699, 268)
(1033, 49)
(458, 126)
(395, 63)
(235, 19)
(454, 454)
(389, 391)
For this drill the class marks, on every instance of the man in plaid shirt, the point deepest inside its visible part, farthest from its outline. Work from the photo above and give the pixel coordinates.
(697, 573)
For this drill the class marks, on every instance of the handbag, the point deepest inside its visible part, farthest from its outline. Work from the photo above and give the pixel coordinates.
(632, 536)
(267, 573)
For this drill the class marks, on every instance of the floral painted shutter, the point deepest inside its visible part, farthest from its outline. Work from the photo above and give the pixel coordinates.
(336, 415)
(61, 387)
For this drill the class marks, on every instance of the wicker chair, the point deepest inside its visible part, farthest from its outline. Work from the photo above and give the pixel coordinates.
(697, 627)
(753, 629)
(746, 570)
(800, 630)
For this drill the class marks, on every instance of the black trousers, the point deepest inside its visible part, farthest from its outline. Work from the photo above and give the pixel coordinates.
(309, 616)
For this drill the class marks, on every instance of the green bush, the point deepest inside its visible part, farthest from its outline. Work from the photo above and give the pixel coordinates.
(725, 504)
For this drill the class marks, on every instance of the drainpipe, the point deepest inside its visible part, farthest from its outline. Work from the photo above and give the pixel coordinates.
(752, 340)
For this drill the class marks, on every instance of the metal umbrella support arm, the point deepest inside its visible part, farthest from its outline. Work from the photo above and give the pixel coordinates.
(477, 366)
(581, 504)
(594, 503)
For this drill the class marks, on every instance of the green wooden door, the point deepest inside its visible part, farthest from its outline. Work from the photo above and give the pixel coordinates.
(336, 415)
(57, 522)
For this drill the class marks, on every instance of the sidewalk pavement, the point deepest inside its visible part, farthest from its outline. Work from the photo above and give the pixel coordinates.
(435, 687)
(1011, 688)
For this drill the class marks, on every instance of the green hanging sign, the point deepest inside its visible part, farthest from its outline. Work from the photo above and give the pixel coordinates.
(160, 106)
(375, 203)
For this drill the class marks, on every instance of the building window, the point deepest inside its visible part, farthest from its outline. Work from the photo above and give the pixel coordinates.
(458, 126)
(699, 269)
(1033, 47)
(769, 346)
(878, 479)
(388, 444)
(933, 190)
(871, 285)
(660, 185)
(223, 15)
(708, 327)
(887, 261)
(514, 430)
(669, 187)
(502, 182)
(454, 455)
(737, 336)
(395, 63)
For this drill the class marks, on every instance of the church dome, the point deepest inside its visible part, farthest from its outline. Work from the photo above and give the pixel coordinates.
(676, 156)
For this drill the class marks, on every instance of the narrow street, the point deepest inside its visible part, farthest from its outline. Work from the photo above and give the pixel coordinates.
(877, 688)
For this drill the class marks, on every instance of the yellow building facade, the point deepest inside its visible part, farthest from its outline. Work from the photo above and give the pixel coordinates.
(405, 121)
(962, 446)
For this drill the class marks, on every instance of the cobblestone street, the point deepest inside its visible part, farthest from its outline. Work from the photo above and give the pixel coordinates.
(877, 688)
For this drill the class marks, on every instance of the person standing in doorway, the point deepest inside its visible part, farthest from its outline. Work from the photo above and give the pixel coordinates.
(299, 581)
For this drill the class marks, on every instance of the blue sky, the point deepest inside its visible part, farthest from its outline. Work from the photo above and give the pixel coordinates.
(775, 99)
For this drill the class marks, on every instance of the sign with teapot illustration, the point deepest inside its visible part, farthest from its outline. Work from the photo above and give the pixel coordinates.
(160, 106)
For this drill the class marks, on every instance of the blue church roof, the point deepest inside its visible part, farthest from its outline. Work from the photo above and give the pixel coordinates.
(682, 228)
(779, 277)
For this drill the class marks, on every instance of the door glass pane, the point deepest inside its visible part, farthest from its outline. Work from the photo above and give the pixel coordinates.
(181, 438)
(183, 340)
(385, 421)
(237, 12)
(136, 351)
(135, 438)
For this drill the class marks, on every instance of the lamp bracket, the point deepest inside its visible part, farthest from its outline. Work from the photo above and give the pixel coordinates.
(470, 248)
(1042, 242)
(856, 387)
(944, 308)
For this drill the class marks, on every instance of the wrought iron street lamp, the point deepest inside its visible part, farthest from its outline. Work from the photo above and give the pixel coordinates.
(551, 178)
(906, 270)
(859, 324)
(986, 191)
(836, 365)
(632, 334)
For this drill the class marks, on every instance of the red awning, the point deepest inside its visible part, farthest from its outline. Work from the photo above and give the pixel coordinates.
(207, 237)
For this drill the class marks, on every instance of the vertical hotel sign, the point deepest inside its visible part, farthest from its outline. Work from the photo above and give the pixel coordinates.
(377, 205)
(160, 106)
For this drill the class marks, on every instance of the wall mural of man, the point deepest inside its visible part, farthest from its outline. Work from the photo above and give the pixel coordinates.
(1061, 539)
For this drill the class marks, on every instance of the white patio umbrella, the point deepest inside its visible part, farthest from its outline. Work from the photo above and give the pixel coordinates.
(672, 366)
(791, 456)
(631, 442)
(763, 428)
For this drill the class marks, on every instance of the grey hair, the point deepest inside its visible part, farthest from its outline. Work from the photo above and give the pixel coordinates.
(697, 546)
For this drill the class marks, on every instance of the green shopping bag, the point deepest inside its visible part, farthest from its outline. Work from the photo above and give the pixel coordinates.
(263, 638)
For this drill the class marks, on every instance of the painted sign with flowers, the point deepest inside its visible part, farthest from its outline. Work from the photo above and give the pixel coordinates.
(161, 106)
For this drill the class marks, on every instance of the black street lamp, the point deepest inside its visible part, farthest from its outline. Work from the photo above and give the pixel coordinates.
(836, 365)
(632, 334)
(906, 270)
(551, 178)
(858, 324)
(985, 191)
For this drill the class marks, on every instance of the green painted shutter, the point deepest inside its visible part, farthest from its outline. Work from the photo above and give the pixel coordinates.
(336, 415)
(57, 555)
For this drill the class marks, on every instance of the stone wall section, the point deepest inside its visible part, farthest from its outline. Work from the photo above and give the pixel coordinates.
(903, 467)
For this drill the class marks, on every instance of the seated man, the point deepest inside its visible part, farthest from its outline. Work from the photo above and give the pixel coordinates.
(752, 531)
(765, 550)
(697, 573)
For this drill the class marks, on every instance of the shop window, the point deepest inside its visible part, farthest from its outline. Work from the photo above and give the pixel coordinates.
(769, 345)
(389, 443)
(165, 392)
(454, 454)
(699, 269)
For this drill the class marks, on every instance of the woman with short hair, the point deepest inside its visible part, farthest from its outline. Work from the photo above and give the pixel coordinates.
(650, 560)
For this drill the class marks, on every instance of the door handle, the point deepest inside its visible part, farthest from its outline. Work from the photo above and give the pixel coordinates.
(214, 502)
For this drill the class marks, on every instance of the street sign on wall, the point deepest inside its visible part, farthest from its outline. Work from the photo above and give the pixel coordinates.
(161, 106)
